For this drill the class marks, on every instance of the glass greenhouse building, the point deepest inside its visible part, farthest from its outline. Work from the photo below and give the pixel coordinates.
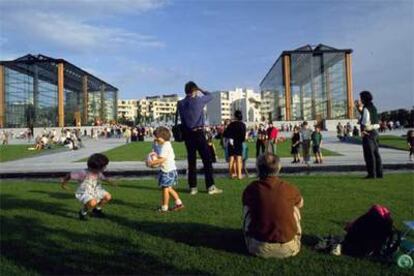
(309, 83)
(41, 91)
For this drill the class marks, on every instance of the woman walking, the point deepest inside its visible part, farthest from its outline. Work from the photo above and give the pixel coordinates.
(236, 135)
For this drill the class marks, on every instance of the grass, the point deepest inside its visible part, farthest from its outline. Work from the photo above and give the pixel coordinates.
(394, 142)
(14, 152)
(391, 141)
(40, 232)
(137, 151)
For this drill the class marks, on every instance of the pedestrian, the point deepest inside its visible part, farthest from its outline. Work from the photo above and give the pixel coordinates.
(272, 133)
(191, 110)
(236, 135)
(261, 140)
(295, 145)
(305, 137)
(410, 141)
(369, 122)
(316, 144)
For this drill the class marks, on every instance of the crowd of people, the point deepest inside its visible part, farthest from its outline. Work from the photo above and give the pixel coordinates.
(271, 206)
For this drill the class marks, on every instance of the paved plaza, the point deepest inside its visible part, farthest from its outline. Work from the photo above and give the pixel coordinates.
(350, 159)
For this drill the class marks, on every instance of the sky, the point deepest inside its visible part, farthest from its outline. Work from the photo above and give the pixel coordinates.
(153, 47)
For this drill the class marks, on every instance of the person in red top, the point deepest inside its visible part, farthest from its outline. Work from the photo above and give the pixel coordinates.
(271, 224)
(272, 133)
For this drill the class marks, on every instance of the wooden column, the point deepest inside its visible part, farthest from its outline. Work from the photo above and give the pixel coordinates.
(2, 97)
(302, 109)
(286, 80)
(102, 109)
(350, 102)
(85, 100)
(61, 96)
(328, 94)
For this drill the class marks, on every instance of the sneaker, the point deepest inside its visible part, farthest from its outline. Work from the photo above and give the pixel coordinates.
(177, 207)
(83, 216)
(336, 249)
(160, 210)
(98, 213)
(193, 191)
(213, 190)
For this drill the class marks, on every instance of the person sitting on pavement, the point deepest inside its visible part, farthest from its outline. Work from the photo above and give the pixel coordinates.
(271, 224)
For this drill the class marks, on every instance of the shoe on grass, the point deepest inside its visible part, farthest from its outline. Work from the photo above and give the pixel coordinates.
(193, 191)
(177, 207)
(83, 216)
(213, 191)
(98, 213)
(162, 211)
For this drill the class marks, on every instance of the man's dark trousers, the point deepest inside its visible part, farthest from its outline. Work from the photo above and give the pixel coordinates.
(260, 147)
(371, 154)
(196, 141)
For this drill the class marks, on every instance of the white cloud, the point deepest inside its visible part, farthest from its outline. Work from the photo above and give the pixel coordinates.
(68, 25)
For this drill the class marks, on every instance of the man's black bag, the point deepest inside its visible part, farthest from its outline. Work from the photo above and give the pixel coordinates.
(177, 129)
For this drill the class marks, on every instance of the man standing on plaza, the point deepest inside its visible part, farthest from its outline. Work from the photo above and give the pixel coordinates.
(191, 110)
(369, 122)
(272, 133)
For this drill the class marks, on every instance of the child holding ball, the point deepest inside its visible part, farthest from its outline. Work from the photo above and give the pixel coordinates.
(167, 177)
(90, 192)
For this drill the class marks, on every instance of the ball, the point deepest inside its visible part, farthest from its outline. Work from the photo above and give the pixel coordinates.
(150, 157)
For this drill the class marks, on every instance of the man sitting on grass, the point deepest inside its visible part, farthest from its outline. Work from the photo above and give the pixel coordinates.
(271, 225)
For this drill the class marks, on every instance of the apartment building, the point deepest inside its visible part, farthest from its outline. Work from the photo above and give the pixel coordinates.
(224, 104)
(149, 109)
(128, 109)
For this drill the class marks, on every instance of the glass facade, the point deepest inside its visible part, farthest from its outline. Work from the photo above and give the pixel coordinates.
(273, 93)
(318, 84)
(31, 94)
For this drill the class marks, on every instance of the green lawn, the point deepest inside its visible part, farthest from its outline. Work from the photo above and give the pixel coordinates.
(394, 141)
(40, 232)
(14, 152)
(137, 151)
(390, 141)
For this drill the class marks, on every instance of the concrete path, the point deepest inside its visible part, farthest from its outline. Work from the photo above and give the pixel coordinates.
(61, 162)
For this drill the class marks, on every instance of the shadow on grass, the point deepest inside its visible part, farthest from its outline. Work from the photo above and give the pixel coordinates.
(138, 205)
(193, 234)
(56, 195)
(9, 202)
(28, 243)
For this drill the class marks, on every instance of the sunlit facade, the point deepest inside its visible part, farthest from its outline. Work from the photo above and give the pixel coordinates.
(40, 91)
(309, 83)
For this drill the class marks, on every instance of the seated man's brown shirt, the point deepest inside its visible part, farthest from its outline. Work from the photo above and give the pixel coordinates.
(271, 203)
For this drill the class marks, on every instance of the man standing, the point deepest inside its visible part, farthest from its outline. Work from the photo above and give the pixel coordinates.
(272, 133)
(191, 110)
(369, 124)
(261, 139)
(271, 224)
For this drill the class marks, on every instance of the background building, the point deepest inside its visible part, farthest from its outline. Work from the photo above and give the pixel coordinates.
(224, 104)
(149, 109)
(309, 83)
(41, 91)
(128, 109)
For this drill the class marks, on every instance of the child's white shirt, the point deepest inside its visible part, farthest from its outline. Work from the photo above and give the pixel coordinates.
(167, 152)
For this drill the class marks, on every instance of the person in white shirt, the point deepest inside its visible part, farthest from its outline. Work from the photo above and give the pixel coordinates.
(305, 138)
(167, 177)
